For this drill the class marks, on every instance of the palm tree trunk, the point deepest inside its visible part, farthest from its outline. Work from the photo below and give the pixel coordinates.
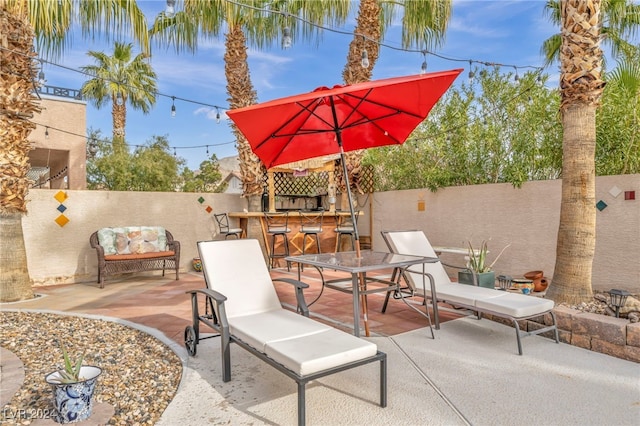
(581, 88)
(14, 275)
(119, 117)
(18, 106)
(241, 94)
(576, 234)
(368, 24)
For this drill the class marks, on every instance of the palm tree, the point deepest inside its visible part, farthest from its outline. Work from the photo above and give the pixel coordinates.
(49, 22)
(250, 24)
(424, 24)
(619, 22)
(120, 79)
(581, 88)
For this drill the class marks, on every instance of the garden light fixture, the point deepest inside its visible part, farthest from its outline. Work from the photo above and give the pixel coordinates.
(618, 299)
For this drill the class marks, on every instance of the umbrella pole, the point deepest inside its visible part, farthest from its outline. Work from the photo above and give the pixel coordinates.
(349, 197)
(365, 307)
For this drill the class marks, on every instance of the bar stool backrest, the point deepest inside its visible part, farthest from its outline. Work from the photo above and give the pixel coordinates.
(223, 222)
(277, 222)
(311, 221)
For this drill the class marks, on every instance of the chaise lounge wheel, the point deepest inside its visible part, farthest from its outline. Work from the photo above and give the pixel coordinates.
(190, 340)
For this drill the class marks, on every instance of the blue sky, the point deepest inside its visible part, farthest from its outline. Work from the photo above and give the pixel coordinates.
(500, 31)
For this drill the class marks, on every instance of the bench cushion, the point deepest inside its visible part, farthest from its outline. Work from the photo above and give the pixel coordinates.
(272, 326)
(516, 305)
(316, 352)
(139, 256)
(132, 239)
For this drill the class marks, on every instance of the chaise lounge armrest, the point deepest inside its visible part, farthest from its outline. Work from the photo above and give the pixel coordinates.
(302, 307)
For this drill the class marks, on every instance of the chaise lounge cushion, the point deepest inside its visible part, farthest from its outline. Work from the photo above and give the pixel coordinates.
(516, 305)
(316, 352)
(463, 294)
(260, 329)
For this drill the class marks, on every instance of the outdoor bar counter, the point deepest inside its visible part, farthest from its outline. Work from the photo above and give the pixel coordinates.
(327, 237)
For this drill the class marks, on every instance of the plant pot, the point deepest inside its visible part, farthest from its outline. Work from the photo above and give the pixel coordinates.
(524, 285)
(73, 402)
(197, 264)
(485, 279)
(536, 277)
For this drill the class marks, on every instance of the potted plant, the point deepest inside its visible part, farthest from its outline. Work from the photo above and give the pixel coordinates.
(478, 272)
(73, 388)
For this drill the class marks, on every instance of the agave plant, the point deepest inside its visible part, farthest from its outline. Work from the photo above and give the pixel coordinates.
(71, 371)
(478, 258)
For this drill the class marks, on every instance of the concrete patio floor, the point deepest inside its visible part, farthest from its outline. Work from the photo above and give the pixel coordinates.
(469, 374)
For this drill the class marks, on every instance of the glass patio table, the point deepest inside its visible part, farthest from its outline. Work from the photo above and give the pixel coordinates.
(358, 267)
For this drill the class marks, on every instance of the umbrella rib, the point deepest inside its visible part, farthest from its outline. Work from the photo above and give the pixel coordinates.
(275, 135)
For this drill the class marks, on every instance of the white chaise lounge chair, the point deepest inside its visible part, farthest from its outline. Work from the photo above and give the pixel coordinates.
(243, 306)
(514, 307)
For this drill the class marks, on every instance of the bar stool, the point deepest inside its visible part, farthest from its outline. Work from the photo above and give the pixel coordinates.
(311, 226)
(278, 226)
(346, 228)
(222, 219)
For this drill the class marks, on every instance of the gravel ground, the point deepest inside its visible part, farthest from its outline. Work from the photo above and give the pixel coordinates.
(140, 374)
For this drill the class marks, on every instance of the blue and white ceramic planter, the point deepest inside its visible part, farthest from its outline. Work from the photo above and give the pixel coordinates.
(73, 402)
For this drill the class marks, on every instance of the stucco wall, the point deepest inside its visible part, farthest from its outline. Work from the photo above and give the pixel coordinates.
(63, 255)
(64, 146)
(526, 217)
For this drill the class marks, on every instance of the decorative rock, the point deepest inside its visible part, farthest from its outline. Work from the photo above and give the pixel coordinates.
(631, 305)
(134, 364)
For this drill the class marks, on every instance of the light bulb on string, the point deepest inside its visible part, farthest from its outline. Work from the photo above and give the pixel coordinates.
(286, 38)
(174, 152)
(173, 106)
(423, 67)
(365, 59)
(207, 151)
(471, 73)
(41, 79)
(517, 77)
(217, 115)
(170, 10)
(46, 132)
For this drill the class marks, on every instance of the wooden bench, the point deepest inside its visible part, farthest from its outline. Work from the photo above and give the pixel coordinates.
(135, 249)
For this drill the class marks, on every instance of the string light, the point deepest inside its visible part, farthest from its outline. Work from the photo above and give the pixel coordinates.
(94, 141)
(471, 73)
(355, 34)
(111, 81)
(173, 107)
(517, 77)
(217, 115)
(423, 67)
(46, 132)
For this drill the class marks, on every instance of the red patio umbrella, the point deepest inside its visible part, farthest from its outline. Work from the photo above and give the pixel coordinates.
(343, 118)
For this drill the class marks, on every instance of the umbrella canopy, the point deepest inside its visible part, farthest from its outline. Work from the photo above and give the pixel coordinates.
(328, 121)
(344, 118)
